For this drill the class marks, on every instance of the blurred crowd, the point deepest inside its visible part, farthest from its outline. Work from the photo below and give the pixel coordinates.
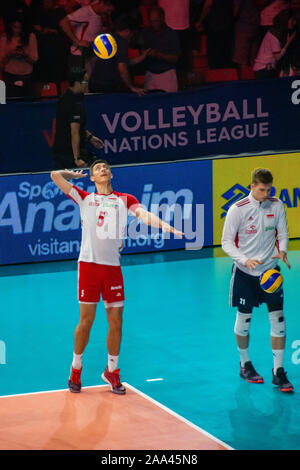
(165, 45)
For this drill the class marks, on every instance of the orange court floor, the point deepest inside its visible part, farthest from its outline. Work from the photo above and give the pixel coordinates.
(96, 419)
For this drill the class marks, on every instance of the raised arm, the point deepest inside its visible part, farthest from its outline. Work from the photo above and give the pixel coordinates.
(61, 177)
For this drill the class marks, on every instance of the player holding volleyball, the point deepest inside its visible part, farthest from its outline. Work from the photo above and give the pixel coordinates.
(104, 217)
(252, 228)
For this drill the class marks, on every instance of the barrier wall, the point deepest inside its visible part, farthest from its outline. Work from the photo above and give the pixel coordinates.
(229, 118)
(39, 223)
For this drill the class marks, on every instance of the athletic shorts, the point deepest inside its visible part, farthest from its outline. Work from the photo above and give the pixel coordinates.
(95, 280)
(246, 293)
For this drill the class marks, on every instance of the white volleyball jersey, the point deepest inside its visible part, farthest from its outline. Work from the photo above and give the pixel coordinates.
(255, 230)
(86, 24)
(103, 221)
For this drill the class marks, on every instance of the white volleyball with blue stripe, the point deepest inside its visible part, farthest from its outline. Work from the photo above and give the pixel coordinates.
(271, 281)
(105, 46)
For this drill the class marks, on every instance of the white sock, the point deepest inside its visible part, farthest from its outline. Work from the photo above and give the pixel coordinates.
(244, 356)
(112, 363)
(77, 363)
(278, 355)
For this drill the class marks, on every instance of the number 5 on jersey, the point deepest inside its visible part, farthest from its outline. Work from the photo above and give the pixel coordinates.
(101, 217)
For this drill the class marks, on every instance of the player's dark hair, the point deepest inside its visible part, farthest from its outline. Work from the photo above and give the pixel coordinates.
(262, 175)
(76, 75)
(95, 163)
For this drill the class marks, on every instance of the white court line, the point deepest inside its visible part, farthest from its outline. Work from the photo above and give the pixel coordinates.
(49, 391)
(154, 380)
(160, 405)
(189, 423)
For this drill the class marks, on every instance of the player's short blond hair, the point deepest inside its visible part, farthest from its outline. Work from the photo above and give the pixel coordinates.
(262, 175)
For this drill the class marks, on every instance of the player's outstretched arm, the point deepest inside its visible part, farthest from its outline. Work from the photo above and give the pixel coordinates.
(149, 218)
(61, 177)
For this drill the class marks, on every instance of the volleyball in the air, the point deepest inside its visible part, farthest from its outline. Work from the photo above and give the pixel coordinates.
(271, 281)
(105, 46)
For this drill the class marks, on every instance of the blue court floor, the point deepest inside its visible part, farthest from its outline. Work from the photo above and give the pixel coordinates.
(178, 327)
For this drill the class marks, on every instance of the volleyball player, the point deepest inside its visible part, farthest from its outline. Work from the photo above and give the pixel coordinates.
(104, 217)
(252, 228)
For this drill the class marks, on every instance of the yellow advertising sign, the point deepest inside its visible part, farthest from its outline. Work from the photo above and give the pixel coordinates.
(232, 179)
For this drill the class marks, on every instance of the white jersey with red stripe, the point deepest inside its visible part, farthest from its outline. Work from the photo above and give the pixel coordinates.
(254, 230)
(103, 221)
(86, 24)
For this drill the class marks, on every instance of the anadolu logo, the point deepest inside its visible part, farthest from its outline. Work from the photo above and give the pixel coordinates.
(289, 197)
(233, 195)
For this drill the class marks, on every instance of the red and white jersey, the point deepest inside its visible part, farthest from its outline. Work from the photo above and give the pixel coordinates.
(103, 220)
(86, 24)
(251, 231)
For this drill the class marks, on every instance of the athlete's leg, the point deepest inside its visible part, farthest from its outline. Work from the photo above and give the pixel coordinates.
(82, 330)
(81, 338)
(241, 330)
(114, 335)
(278, 337)
(278, 326)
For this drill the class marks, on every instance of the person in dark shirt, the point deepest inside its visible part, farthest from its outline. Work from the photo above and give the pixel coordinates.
(69, 148)
(163, 55)
(217, 21)
(52, 44)
(112, 75)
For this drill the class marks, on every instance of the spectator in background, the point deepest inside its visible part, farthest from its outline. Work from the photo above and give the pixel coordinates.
(69, 5)
(144, 9)
(163, 55)
(52, 44)
(113, 75)
(246, 36)
(177, 17)
(217, 21)
(273, 47)
(19, 8)
(269, 9)
(70, 148)
(2, 29)
(87, 24)
(289, 61)
(295, 9)
(18, 54)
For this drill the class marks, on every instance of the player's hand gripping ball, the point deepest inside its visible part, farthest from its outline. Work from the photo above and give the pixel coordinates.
(271, 281)
(105, 46)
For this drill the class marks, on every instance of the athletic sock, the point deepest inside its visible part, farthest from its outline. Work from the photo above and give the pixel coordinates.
(244, 356)
(77, 363)
(112, 363)
(278, 355)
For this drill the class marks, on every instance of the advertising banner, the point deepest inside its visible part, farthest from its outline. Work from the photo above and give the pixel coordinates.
(39, 223)
(232, 179)
(225, 119)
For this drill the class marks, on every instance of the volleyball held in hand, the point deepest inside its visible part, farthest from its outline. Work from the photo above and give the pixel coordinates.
(105, 46)
(271, 281)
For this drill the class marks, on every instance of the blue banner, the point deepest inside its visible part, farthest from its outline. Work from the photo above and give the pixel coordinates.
(39, 223)
(228, 118)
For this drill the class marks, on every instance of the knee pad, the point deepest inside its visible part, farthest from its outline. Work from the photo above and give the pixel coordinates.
(242, 324)
(277, 322)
